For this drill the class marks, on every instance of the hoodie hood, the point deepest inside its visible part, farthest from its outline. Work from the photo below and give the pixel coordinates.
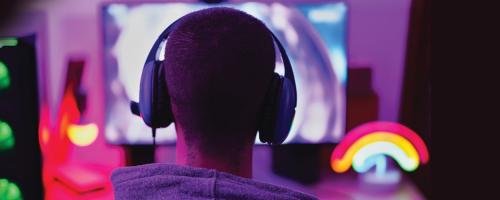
(166, 181)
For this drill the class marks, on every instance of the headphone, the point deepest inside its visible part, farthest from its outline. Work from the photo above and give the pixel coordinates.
(154, 101)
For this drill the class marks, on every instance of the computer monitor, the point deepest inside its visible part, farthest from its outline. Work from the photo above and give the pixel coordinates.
(313, 34)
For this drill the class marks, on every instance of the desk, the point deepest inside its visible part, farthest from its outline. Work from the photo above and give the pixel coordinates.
(331, 185)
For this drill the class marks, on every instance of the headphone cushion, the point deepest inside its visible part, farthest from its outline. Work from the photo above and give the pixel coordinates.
(278, 111)
(163, 114)
(269, 110)
(285, 112)
(153, 91)
(146, 93)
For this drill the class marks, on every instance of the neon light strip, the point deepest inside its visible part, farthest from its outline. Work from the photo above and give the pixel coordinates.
(9, 190)
(342, 164)
(408, 163)
(4, 76)
(7, 140)
(8, 42)
(390, 127)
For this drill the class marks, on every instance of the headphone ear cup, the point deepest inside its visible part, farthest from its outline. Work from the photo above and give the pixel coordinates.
(285, 112)
(154, 102)
(279, 111)
(146, 93)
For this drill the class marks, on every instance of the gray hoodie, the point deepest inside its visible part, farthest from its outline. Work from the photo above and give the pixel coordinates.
(166, 181)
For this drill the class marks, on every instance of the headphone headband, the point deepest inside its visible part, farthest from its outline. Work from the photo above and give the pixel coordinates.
(164, 35)
(286, 62)
(154, 105)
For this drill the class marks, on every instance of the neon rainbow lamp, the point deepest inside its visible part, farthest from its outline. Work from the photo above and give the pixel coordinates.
(369, 145)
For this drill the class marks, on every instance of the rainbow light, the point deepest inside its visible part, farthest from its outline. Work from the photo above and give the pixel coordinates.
(363, 146)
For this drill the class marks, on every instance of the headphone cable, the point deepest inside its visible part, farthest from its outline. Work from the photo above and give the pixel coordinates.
(154, 137)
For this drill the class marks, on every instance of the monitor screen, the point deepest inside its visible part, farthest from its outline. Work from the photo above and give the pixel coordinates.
(314, 36)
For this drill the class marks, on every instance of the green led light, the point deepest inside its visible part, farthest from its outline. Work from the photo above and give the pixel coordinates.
(6, 136)
(9, 190)
(4, 42)
(4, 76)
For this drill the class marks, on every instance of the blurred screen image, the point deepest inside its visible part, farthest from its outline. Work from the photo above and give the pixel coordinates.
(314, 36)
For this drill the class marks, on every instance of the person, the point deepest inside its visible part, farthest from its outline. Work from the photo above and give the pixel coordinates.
(219, 64)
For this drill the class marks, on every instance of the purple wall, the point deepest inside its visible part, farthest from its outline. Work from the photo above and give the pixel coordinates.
(377, 38)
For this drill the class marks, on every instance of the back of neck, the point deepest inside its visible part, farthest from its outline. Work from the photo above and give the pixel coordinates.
(236, 163)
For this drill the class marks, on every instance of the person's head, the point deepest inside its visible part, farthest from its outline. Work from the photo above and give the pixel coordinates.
(219, 63)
